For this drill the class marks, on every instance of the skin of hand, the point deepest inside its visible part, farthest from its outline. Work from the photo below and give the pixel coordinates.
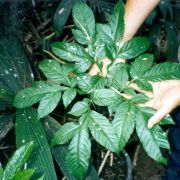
(164, 98)
(166, 94)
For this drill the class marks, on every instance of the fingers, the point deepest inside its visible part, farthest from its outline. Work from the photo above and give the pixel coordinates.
(160, 114)
(94, 70)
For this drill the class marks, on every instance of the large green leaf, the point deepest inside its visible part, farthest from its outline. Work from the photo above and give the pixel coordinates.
(133, 48)
(24, 174)
(112, 108)
(61, 15)
(32, 95)
(71, 52)
(124, 122)
(118, 76)
(59, 152)
(167, 120)
(68, 96)
(103, 131)
(84, 19)
(163, 71)
(104, 34)
(116, 21)
(80, 107)
(65, 133)
(141, 65)
(48, 103)
(80, 37)
(29, 128)
(88, 83)
(52, 70)
(17, 161)
(74, 53)
(147, 138)
(78, 154)
(104, 97)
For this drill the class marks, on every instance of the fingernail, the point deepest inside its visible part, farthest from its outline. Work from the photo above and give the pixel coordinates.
(150, 126)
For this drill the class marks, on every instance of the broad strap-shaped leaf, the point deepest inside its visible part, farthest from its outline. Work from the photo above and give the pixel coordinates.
(123, 123)
(29, 128)
(17, 161)
(71, 52)
(32, 95)
(78, 154)
(163, 71)
(84, 19)
(1, 171)
(48, 103)
(24, 174)
(103, 131)
(68, 96)
(116, 21)
(133, 48)
(147, 138)
(104, 35)
(65, 133)
(80, 107)
(104, 97)
(118, 76)
(141, 65)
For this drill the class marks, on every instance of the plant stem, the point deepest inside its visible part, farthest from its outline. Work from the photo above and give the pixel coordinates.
(54, 57)
(126, 96)
(103, 162)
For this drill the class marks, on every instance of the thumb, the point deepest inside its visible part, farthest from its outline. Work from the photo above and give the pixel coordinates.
(156, 118)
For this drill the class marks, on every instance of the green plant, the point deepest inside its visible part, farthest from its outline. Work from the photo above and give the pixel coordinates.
(70, 78)
(13, 167)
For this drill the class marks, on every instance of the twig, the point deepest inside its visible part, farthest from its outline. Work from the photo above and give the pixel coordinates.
(54, 57)
(103, 162)
(111, 159)
(136, 156)
(50, 36)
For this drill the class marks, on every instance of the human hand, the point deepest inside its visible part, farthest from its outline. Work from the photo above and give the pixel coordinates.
(165, 97)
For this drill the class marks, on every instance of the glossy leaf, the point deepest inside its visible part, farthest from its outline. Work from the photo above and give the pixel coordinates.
(24, 174)
(147, 138)
(163, 71)
(116, 21)
(141, 65)
(68, 96)
(144, 85)
(84, 19)
(48, 103)
(103, 131)
(65, 133)
(17, 161)
(139, 98)
(104, 97)
(79, 36)
(78, 154)
(52, 70)
(113, 107)
(32, 95)
(123, 123)
(72, 52)
(104, 34)
(29, 128)
(118, 76)
(133, 48)
(80, 107)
